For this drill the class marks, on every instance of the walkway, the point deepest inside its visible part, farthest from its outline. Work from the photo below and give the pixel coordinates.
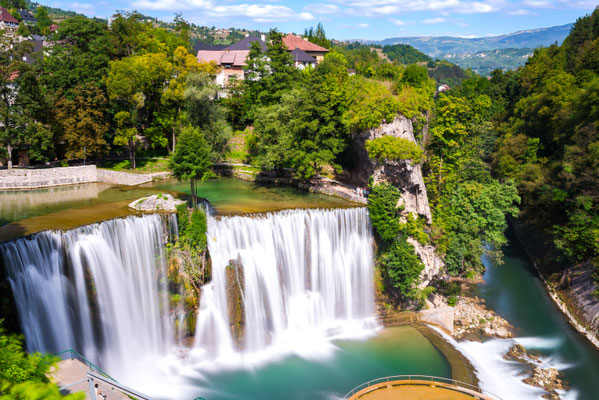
(413, 388)
(72, 370)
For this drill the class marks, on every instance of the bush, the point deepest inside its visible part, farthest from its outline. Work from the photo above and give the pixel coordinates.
(182, 218)
(382, 206)
(371, 104)
(402, 266)
(196, 231)
(394, 148)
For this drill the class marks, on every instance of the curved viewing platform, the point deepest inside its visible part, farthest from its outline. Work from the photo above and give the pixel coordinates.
(417, 387)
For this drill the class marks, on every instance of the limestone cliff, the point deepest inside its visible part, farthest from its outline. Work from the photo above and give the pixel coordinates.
(404, 175)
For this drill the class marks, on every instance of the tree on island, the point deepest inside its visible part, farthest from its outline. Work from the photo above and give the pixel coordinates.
(191, 160)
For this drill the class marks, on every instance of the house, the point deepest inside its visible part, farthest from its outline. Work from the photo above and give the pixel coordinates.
(7, 21)
(27, 17)
(293, 42)
(301, 59)
(231, 58)
(443, 88)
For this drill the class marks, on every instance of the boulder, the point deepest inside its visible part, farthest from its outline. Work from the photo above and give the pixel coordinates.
(157, 202)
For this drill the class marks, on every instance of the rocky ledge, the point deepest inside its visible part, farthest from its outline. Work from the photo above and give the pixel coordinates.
(548, 379)
(471, 316)
(157, 202)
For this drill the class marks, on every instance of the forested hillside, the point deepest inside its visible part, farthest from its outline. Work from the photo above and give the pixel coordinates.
(549, 139)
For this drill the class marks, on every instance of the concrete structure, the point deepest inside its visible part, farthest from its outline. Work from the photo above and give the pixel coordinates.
(417, 387)
(47, 177)
(442, 317)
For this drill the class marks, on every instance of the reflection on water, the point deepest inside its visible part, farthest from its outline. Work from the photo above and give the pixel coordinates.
(235, 196)
(28, 211)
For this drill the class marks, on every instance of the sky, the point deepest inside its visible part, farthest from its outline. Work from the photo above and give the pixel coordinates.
(354, 19)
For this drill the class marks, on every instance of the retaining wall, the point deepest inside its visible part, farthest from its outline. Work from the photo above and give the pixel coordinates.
(38, 178)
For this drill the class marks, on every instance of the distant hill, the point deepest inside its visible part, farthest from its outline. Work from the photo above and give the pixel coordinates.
(441, 45)
(485, 62)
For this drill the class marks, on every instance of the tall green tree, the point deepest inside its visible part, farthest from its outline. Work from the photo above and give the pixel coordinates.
(191, 160)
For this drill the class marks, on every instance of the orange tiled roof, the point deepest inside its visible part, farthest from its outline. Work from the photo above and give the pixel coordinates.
(293, 42)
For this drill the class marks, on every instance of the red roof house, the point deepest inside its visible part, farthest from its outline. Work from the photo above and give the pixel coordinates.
(293, 42)
(7, 21)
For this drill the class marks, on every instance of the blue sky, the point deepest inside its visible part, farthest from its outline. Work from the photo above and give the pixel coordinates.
(355, 19)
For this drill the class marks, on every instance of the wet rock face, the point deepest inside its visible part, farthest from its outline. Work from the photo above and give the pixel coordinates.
(547, 378)
(157, 202)
(235, 284)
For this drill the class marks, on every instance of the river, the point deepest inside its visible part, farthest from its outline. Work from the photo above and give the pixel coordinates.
(512, 289)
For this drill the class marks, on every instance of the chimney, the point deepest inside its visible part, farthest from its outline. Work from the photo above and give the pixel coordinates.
(263, 37)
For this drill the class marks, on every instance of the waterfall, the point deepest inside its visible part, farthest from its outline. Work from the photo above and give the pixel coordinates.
(98, 289)
(302, 277)
(307, 276)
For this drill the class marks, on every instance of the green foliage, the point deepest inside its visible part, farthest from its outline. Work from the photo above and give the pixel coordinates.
(196, 231)
(473, 215)
(415, 227)
(402, 266)
(394, 148)
(404, 54)
(371, 104)
(182, 218)
(384, 214)
(318, 36)
(23, 376)
(191, 159)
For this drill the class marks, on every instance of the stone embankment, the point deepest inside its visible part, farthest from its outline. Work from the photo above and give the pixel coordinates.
(47, 177)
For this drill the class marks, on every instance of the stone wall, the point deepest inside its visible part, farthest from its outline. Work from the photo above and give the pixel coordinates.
(122, 178)
(443, 317)
(39, 178)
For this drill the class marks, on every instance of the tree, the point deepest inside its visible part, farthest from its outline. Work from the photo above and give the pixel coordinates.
(184, 64)
(322, 131)
(318, 36)
(269, 74)
(205, 113)
(13, 118)
(191, 160)
(83, 121)
(43, 20)
(136, 84)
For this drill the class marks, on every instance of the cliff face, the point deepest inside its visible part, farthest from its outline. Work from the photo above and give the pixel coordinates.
(404, 175)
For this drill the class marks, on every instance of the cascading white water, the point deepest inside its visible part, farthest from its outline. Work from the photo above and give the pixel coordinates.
(308, 276)
(101, 289)
(96, 289)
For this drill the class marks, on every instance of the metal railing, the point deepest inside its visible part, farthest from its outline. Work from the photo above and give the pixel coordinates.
(73, 354)
(429, 378)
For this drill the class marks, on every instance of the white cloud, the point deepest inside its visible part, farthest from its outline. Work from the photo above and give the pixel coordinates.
(432, 21)
(397, 22)
(362, 25)
(255, 12)
(521, 11)
(322, 8)
(374, 8)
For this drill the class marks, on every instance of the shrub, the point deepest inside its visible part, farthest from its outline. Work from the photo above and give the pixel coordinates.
(196, 232)
(394, 148)
(382, 206)
(402, 266)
